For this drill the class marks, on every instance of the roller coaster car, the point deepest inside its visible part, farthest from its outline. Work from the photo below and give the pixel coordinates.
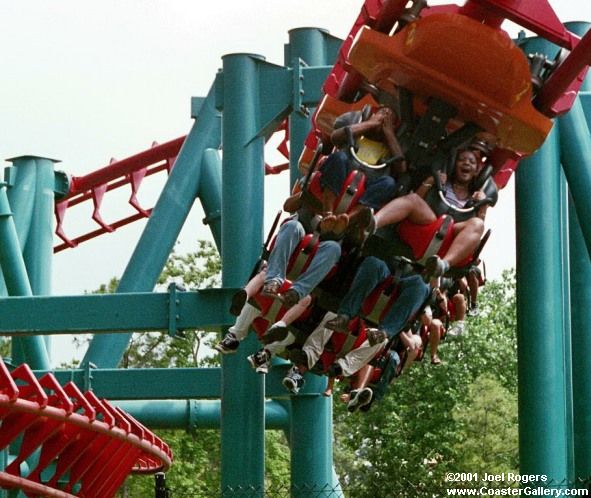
(349, 196)
(470, 66)
(340, 344)
(380, 300)
(272, 309)
(417, 242)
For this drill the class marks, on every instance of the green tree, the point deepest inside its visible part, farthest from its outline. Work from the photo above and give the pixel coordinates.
(487, 420)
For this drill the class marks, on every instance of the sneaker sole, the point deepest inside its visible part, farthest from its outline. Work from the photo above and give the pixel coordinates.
(252, 363)
(353, 403)
(224, 350)
(290, 385)
(275, 334)
(365, 396)
(238, 302)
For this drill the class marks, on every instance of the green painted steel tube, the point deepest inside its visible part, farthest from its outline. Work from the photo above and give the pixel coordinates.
(17, 280)
(576, 154)
(580, 275)
(210, 193)
(35, 181)
(38, 251)
(3, 464)
(163, 311)
(145, 383)
(542, 399)
(194, 414)
(566, 316)
(311, 433)
(581, 345)
(21, 194)
(163, 227)
(309, 46)
(243, 391)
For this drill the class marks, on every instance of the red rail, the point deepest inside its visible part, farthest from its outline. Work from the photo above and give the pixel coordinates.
(91, 445)
(93, 186)
(131, 171)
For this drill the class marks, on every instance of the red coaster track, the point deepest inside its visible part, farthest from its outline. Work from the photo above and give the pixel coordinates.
(81, 445)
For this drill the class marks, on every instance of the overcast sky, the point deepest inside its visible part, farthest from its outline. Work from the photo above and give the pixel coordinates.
(87, 81)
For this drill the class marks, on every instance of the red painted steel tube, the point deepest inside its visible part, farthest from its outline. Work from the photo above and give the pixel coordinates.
(126, 166)
(571, 72)
(535, 15)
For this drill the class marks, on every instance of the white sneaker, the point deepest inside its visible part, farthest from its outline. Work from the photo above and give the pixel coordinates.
(457, 329)
(260, 361)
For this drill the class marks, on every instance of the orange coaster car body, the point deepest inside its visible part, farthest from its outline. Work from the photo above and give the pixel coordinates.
(471, 66)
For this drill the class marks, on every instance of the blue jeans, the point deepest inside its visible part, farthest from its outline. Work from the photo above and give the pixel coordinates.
(372, 271)
(290, 235)
(378, 190)
(388, 375)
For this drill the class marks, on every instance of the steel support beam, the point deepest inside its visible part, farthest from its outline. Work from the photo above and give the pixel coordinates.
(103, 313)
(163, 227)
(541, 365)
(243, 392)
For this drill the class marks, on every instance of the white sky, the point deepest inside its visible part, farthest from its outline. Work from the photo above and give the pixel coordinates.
(87, 81)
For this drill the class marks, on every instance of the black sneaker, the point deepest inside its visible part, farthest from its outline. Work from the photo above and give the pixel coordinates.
(260, 361)
(238, 302)
(339, 323)
(290, 298)
(275, 334)
(294, 380)
(359, 398)
(435, 267)
(375, 336)
(298, 357)
(228, 345)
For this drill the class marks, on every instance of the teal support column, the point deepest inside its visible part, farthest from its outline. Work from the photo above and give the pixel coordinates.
(37, 241)
(35, 181)
(311, 446)
(243, 415)
(17, 280)
(3, 464)
(576, 155)
(32, 206)
(312, 415)
(581, 345)
(307, 47)
(210, 193)
(566, 326)
(542, 398)
(576, 149)
(163, 227)
(580, 276)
